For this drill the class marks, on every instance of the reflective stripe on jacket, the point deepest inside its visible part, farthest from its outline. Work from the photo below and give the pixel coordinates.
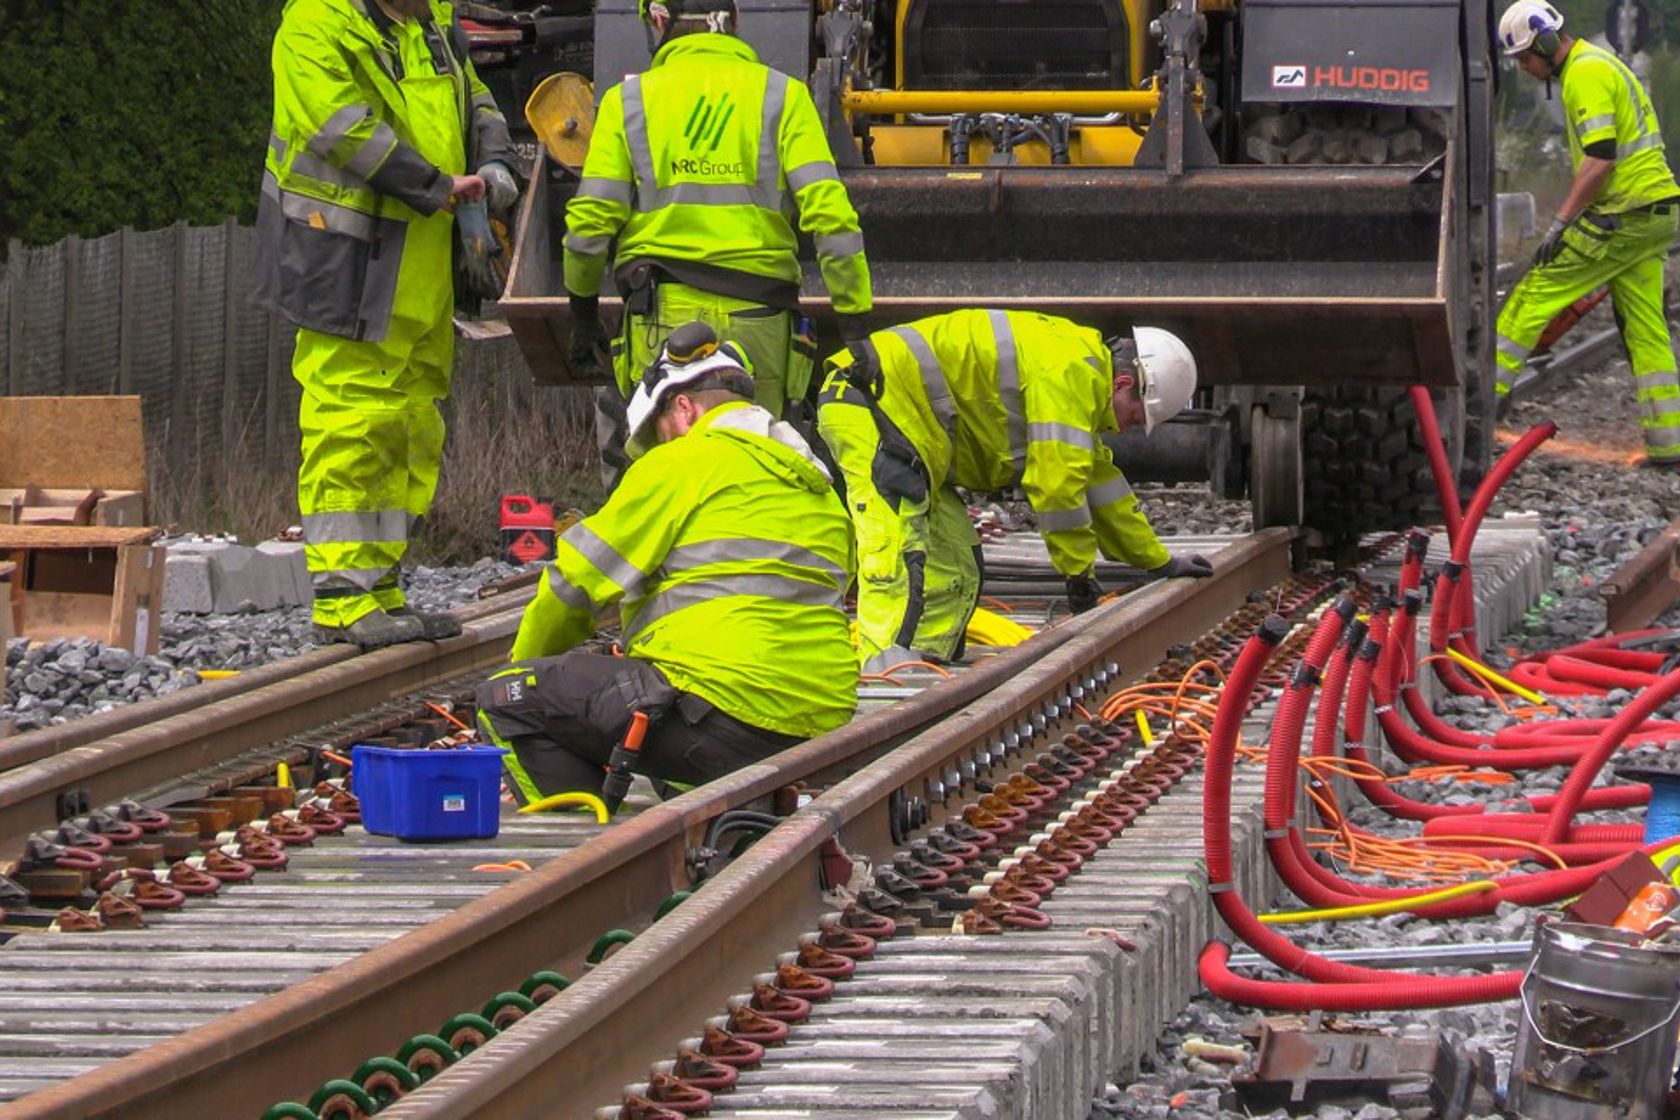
(731, 556)
(697, 160)
(995, 399)
(367, 130)
(1603, 100)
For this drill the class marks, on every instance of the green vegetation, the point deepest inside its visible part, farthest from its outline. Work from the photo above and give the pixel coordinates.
(131, 114)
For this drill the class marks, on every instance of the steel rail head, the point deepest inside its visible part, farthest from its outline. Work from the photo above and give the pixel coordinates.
(163, 738)
(600, 1030)
(282, 1045)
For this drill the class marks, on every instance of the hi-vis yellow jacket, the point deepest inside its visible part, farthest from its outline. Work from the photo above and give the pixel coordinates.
(995, 399)
(731, 555)
(700, 159)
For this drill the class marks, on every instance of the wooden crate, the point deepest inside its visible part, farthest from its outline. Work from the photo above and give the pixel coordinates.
(72, 461)
(8, 611)
(87, 582)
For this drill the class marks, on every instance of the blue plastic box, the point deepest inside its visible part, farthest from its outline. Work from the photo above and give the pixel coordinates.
(429, 795)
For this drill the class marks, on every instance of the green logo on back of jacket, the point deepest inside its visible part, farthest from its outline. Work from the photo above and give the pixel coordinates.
(705, 130)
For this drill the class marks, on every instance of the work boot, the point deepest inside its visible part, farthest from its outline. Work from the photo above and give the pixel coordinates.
(1661, 463)
(373, 630)
(437, 624)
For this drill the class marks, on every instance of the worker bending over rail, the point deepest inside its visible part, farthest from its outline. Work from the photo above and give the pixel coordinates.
(1615, 225)
(381, 130)
(695, 167)
(989, 400)
(732, 556)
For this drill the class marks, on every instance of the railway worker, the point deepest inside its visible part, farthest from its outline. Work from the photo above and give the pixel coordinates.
(381, 126)
(731, 555)
(694, 167)
(1615, 224)
(988, 400)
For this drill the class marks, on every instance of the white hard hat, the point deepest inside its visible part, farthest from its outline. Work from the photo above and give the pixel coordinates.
(1166, 374)
(1525, 21)
(691, 354)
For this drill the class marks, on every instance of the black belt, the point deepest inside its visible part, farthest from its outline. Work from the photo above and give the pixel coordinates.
(1658, 208)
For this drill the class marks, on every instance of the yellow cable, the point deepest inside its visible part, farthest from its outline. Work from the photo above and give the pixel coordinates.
(1144, 729)
(1489, 675)
(988, 628)
(283, 776)
(217, 674)
(576, 799)
(1383, 906)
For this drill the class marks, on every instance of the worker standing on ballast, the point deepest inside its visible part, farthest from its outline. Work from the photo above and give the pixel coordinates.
(1615, 225)
(694, 167)
(381, 130)
(731, 555)
(988, 400)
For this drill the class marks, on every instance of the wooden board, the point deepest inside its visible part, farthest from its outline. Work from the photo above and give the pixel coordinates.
(8, 612)
(72, 442)
(72, 536)
(113, 595)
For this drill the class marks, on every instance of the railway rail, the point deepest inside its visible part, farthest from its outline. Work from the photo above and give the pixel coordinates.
(481, 942)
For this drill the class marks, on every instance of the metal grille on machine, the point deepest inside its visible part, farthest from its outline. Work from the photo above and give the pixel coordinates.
(1040, 44)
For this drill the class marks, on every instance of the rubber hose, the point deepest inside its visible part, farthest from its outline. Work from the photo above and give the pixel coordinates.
(1452, 512)
(1394, 993)
(1216, 831)
(1606, 744)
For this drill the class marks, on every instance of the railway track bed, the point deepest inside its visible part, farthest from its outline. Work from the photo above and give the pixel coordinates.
(373, 943)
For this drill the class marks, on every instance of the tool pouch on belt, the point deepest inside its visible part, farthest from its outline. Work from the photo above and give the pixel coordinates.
(638, 284)
(1588, 237)
(899, 473)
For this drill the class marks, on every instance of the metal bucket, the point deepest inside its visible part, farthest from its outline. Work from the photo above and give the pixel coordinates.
(1597, 1036)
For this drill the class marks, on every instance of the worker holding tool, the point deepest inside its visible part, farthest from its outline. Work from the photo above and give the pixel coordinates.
(383, 136)
(1615, 224)
(731, 555)
(989, 400)
(694, 167)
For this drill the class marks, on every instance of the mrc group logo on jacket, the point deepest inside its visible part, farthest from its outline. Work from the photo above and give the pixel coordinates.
(707, 124)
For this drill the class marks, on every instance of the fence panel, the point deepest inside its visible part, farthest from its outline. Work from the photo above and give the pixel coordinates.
(38, 356)
(166, 314)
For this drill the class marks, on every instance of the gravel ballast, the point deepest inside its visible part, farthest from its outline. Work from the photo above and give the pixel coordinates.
(60, 680)
(1598, 508)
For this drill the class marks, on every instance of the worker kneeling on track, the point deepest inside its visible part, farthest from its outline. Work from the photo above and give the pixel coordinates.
(989, 400)
(732, 556)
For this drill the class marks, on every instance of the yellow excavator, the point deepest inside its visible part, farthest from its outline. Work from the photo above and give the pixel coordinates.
(1300, 188)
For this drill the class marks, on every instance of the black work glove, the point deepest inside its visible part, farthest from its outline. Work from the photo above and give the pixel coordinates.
(865, 370)
(853, 329)
(1083, 593)
(1193, 567)
(587, 335)
(1552, 244)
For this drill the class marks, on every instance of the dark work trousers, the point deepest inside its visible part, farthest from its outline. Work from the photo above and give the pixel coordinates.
(564, 715)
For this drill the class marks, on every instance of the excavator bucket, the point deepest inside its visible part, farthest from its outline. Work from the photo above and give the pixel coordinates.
(1274, 275)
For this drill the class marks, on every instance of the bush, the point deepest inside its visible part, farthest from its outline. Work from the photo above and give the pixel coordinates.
(138, 115)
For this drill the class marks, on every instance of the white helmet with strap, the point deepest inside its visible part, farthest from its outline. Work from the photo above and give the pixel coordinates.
(692, 358)
(1530, 25)
(1164, 368)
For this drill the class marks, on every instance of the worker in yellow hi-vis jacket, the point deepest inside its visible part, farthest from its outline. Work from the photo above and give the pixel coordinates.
(988, 400)
(1615, 224)
(697, 167)
(382, 131)
(731, 555)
